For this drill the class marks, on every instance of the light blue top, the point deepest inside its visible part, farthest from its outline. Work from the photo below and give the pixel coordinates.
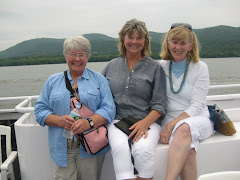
(94, 92)
(178, 68)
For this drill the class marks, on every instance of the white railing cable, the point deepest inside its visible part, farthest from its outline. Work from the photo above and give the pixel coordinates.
(223, 97)
(226, 86)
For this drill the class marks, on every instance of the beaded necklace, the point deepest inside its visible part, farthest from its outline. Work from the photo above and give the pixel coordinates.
(183, 81)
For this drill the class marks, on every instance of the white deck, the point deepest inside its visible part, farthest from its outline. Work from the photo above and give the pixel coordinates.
(217, 153)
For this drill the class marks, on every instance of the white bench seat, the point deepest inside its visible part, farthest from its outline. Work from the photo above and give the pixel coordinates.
(217, 153)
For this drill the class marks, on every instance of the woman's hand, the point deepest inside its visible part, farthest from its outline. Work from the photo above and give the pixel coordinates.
(79, 126)
(166, 132)
(66, 121)
(139, 129)
(165, 135)
(59, 121)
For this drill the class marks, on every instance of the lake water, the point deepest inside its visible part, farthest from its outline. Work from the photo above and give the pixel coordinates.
(28, 80)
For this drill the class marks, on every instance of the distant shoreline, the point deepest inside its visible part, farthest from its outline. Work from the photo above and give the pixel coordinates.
(60, 60)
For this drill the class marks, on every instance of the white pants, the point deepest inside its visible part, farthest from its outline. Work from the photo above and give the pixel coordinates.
(143, 152)
(201, 128)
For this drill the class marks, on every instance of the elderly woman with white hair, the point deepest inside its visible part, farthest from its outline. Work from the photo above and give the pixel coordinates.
(70, 161)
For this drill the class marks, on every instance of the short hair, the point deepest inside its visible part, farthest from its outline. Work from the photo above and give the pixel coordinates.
(78, 43)
(180, 33)
(130, 27)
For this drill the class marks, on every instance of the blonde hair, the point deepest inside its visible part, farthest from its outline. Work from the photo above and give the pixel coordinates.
(130, 27)
(180, 33)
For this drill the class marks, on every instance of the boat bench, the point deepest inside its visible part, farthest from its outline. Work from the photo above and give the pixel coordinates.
(35, 160)
(217, 149)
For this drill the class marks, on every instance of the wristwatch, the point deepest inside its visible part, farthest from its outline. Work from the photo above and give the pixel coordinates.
(90, 122)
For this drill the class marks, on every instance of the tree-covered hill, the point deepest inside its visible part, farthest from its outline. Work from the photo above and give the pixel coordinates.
(219, 41)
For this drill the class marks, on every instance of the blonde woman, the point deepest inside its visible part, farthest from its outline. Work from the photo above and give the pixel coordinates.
(187, 121)
(138, 86)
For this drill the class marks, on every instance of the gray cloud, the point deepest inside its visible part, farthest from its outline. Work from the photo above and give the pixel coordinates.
(28, 19)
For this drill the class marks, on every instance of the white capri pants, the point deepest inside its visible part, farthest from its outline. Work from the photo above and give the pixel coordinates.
(143, 152)
(201, 128)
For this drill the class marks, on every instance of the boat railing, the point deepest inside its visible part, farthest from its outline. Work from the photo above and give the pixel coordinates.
(26, 104)
(8, 110)
(224, 86)
(223, 97)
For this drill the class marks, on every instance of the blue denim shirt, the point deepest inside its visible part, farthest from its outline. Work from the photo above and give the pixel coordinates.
(94, 92)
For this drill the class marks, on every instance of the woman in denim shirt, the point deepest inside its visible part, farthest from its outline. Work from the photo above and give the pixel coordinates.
(52, 108)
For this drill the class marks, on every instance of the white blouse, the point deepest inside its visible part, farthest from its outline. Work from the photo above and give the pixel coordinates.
(192, 98)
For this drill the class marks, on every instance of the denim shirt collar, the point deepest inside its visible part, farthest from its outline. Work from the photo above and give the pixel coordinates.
(85, 75)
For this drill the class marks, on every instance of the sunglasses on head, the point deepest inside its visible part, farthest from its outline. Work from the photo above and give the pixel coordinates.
(135, 22)
(188, 26)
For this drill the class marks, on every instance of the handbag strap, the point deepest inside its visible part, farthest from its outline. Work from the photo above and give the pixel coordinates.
(132, 158)
(130, 120)
(69, 87)
(68, 84)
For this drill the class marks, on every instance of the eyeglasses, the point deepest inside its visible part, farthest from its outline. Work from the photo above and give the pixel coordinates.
(188, 26)
(74, 55)
(131, 22)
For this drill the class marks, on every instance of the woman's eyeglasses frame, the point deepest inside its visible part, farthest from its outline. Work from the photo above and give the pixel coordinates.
(75, 55)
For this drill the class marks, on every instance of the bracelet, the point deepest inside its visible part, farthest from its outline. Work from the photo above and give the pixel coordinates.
(170, 130)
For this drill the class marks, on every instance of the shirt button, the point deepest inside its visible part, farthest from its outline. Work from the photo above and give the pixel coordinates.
(132, 70)
(128, 77)
(126, 86)
(81, 93)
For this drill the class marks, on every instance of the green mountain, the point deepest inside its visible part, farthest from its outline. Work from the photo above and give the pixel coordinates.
(219, 41)
(47, 46)
(34, 47)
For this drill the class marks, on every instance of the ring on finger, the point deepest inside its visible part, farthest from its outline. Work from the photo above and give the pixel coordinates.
(142, 132)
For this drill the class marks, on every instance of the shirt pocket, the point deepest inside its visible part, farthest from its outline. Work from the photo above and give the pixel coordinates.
(93, 98)
(56, 100)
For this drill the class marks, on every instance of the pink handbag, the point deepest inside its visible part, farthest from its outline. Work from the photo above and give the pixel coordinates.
(95, 139)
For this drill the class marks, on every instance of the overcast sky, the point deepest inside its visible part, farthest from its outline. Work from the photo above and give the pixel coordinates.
(28, 19)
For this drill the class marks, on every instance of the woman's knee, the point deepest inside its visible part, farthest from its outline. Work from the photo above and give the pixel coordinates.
(183, 130)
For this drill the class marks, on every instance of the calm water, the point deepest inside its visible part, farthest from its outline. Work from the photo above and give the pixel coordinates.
(28, 80)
